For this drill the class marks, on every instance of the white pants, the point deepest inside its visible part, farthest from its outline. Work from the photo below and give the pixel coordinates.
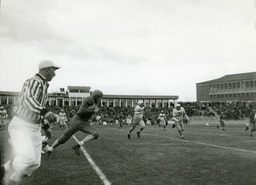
(26, 142)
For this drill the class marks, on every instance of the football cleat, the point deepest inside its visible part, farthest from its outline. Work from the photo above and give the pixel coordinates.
(129, 136)
(48, 153)
(182, 137)
(76, 148)
(2, 173)
(138, 134)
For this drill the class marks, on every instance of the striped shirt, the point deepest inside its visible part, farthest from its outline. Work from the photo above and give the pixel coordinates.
(32, 99)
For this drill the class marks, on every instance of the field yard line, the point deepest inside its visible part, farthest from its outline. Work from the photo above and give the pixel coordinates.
(207, 144)
(213, 134)
(94, 166)
(200, 143)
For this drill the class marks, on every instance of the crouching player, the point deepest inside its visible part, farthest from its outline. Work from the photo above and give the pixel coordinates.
(179, 115)
(221, 121)
(80, 121)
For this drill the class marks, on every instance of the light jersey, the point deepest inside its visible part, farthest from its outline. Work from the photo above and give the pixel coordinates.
(178, 114)
(161, 116)
(62, 115)
(138, 112)
(3, 113)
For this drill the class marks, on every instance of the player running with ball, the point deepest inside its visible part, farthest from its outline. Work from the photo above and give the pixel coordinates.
(80, 121)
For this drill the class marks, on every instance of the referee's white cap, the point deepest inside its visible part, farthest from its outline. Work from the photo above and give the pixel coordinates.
(47, 63)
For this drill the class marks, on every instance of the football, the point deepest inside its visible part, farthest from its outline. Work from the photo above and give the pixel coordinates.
(91, 108)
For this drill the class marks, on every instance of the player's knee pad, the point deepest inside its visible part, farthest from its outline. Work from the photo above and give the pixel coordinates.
(96, 135)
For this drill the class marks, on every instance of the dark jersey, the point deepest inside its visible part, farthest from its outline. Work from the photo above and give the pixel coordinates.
(84, 113)
(252, 118)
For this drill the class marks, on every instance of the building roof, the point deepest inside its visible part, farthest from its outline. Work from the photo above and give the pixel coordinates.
(9, 93)
(173, 97)
(79, 87)
(233, 77)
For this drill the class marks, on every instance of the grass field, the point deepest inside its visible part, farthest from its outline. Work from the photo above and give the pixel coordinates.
(206, 156)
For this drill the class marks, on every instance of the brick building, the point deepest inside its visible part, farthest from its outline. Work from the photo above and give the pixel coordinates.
(241, 87)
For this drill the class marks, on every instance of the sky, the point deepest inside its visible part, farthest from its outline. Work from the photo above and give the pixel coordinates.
(128, 47)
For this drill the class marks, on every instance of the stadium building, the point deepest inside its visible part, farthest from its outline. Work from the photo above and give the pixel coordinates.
(240, 87)
(75, 94)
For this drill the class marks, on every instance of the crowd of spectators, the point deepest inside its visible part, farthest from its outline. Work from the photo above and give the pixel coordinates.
(234, 110)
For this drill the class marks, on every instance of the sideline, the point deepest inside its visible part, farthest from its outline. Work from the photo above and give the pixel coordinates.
(94, 166)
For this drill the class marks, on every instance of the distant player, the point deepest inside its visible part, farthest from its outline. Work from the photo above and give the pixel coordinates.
(129, 119)
(63, 119)
(80, 121)
(179, 114)
(162, 119)
(137, 119)
(252, 121)
(3, 116)
(221, 121)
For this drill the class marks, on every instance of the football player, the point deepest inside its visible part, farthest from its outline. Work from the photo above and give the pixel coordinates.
(80, 121)
(252, 121)
(162, 119)
(137, 119)
(179, 114)
(63, 119)
(221, 121)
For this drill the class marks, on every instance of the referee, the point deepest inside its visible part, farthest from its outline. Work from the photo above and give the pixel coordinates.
(25, 127)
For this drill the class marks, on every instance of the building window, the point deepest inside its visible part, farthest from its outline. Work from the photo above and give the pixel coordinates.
(82, 91)
(73, 90)
(210, 87)
(229, 85)
(234, 85)
(222, 86)
(238, 84)
(129, 102)
(242, 85)
(247, 84)
(251, 83)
